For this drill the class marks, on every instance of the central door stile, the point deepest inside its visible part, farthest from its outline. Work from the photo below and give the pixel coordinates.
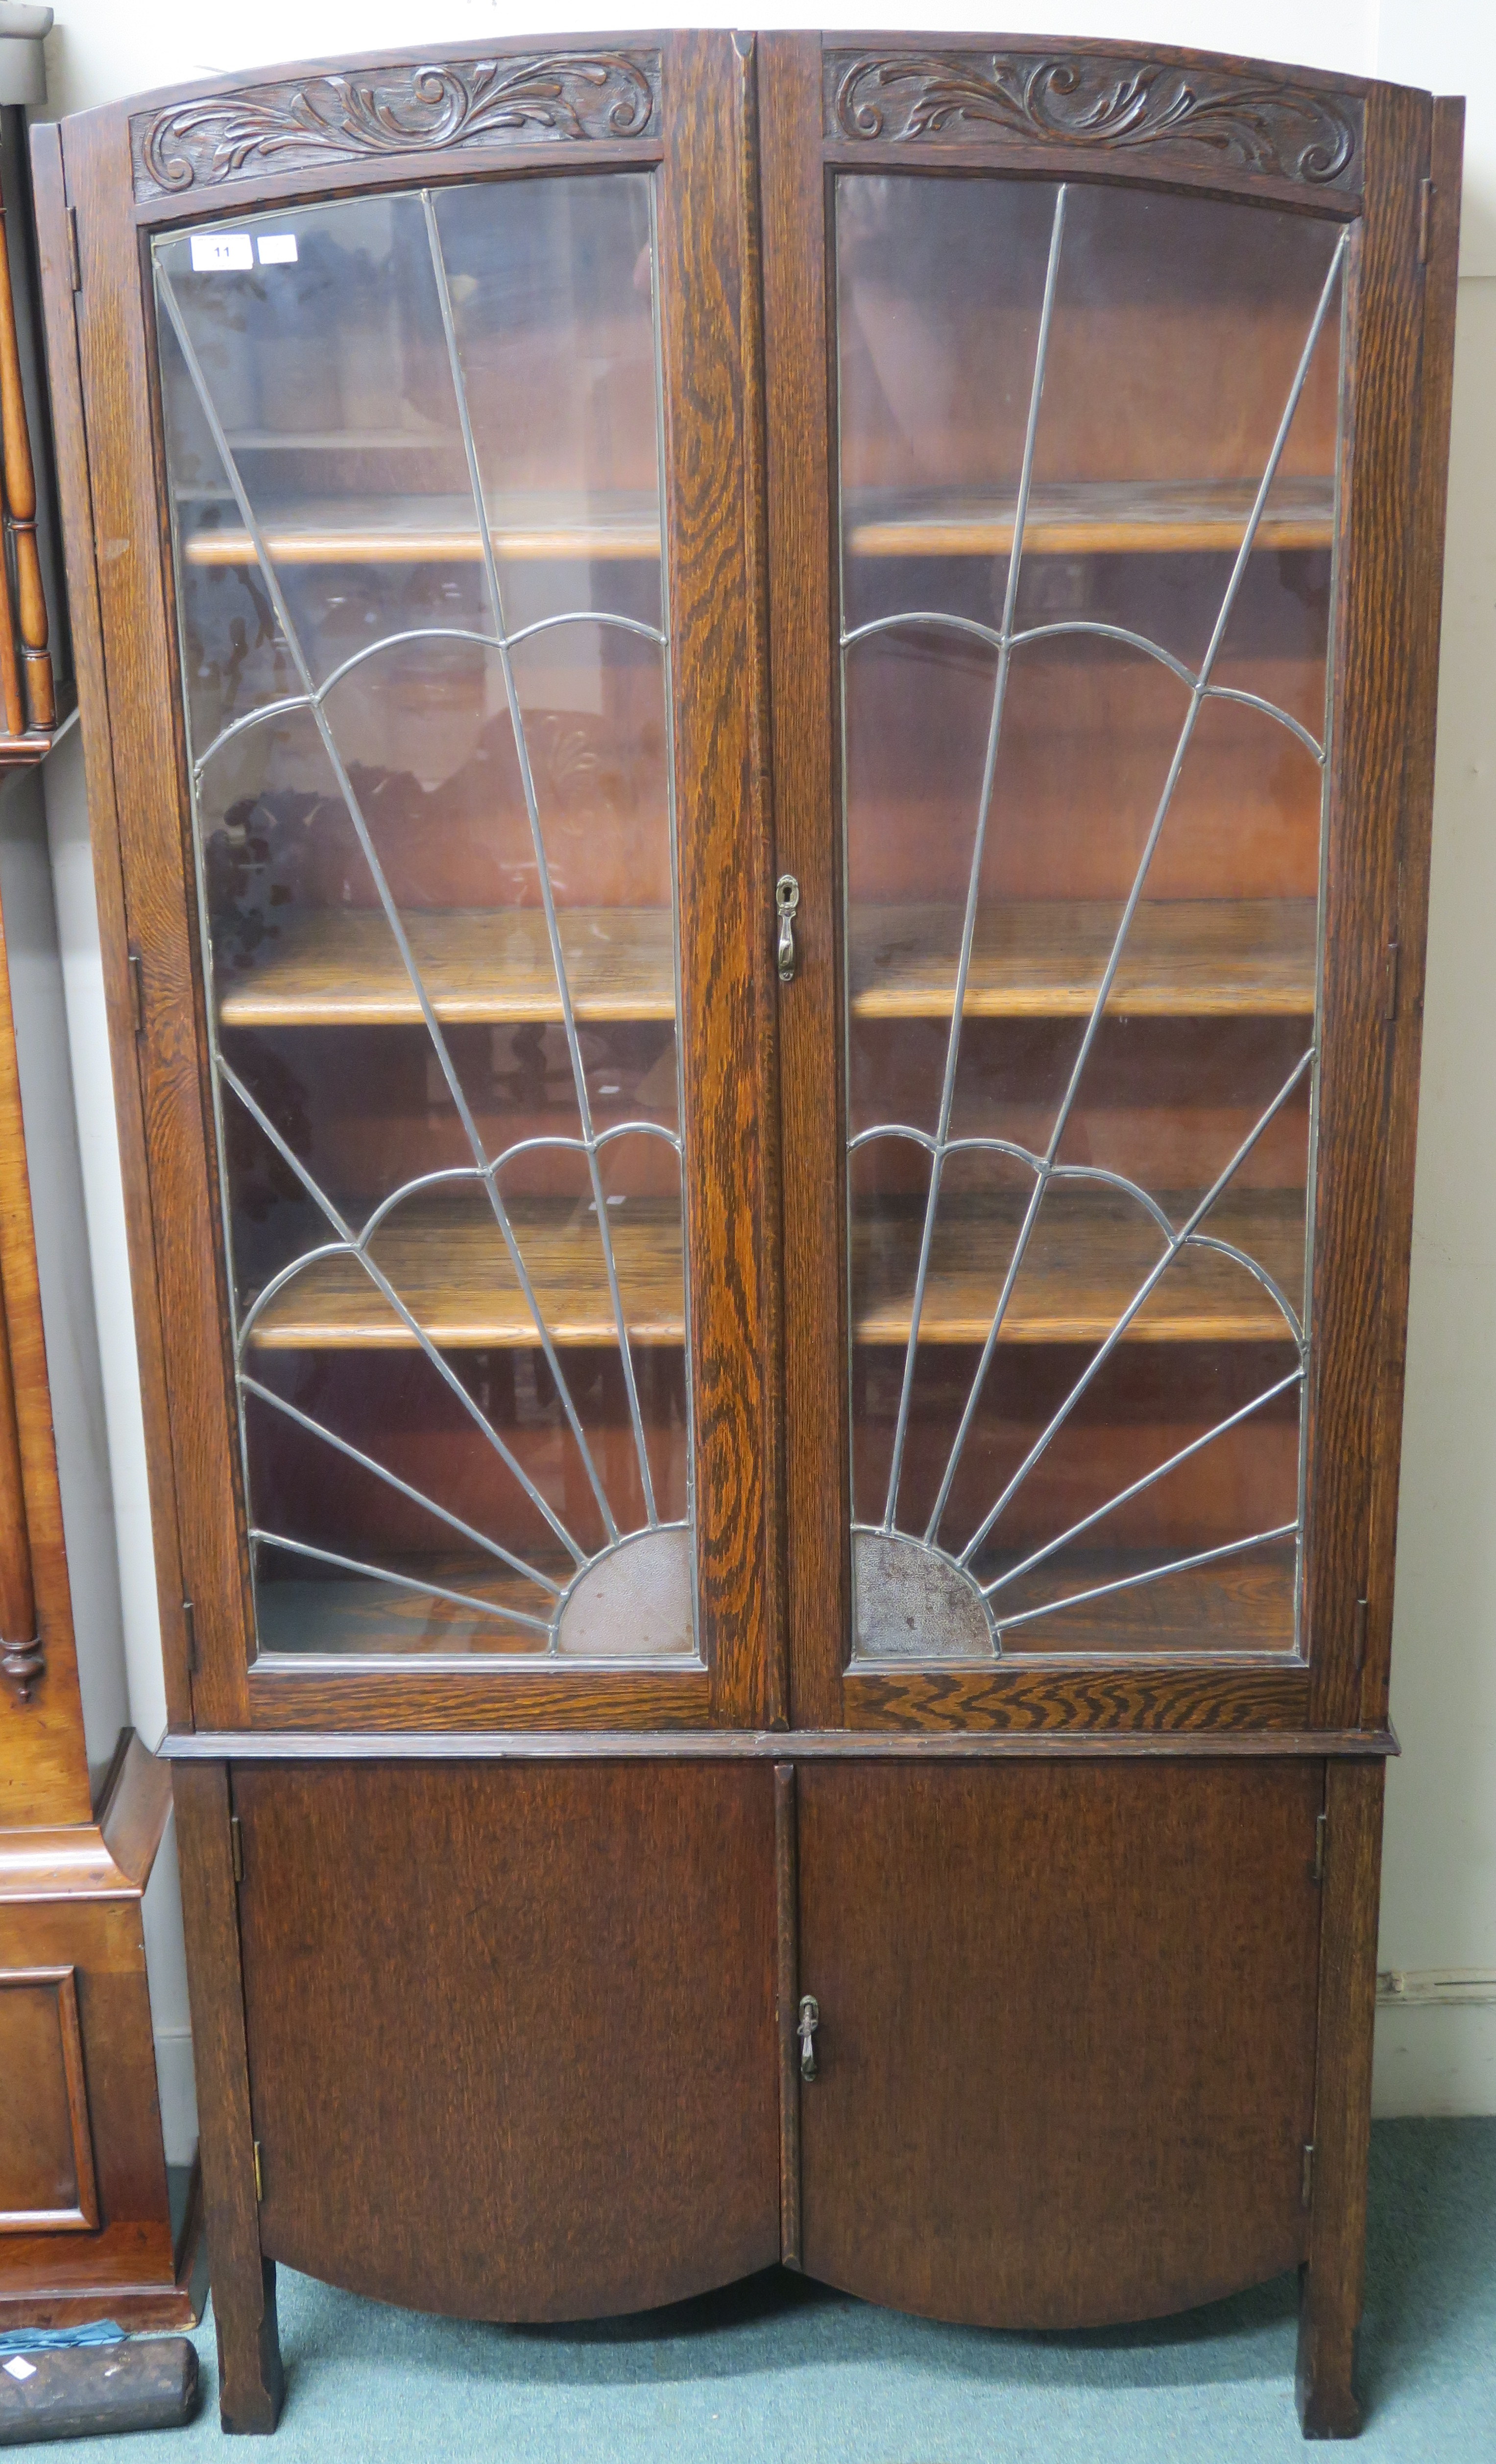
(805, 804)
(714, 524)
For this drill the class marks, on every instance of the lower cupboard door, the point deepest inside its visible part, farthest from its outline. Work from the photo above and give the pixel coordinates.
(1065, 2061)
(511, 2037)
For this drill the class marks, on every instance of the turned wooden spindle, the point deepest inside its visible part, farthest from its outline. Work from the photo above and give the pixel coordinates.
(20, 498)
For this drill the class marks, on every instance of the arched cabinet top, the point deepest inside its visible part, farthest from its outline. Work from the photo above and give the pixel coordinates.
(1042, 106)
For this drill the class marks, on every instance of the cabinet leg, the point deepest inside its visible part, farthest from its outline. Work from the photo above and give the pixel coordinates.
(250, 2383)
(1330, 2289)
(1325, 2379)
(250, 2380)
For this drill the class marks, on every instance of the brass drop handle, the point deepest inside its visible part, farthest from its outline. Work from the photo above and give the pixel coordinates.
(786, 905)
(809, 2022)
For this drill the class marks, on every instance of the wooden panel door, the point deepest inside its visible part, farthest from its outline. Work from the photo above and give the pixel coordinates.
(1097, 876)
(511, 2029)
(429, 635)
(1066, 2052)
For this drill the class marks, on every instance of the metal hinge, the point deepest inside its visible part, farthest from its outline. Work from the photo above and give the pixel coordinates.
(190, 1628)
(1425, 218)
(259, 2172)
(1307, 2177)
(137, 990)
(236, 1847)
(1321, 1825)
(74, 260)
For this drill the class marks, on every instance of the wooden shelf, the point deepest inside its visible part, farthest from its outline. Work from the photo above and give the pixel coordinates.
(1042, 958)
(446, 1258)
(431, 530)
(1090, 1252)
(1094, 517)
(1194, 958)
(1238, 1604)
(340, 967)
(301, 1610)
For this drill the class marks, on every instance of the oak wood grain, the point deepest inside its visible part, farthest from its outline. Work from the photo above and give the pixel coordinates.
(1065, 2058)
(251, 2381)
(1176, 1693)
(787, 1918)
(1374, 672)
(532, 2072)
(706, 271)
(1329, 2304)
(1410, 927)
(805, 796)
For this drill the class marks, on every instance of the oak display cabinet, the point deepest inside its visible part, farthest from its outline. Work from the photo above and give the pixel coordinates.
(759, 729)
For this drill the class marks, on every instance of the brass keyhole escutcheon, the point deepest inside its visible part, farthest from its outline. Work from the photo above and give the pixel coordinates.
(786, 905)
(809, 2022)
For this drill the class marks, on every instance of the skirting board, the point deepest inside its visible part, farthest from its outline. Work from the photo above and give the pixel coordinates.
(1435, 2043)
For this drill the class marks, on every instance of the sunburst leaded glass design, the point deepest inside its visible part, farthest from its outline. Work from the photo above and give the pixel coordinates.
(1088, 454)
(413, 451)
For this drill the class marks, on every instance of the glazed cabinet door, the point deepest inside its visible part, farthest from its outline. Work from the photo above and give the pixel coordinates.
(1075, 822)
(1065, 2065)
(450, 665)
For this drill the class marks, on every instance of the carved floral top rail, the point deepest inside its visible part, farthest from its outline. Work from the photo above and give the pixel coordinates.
(320, 120)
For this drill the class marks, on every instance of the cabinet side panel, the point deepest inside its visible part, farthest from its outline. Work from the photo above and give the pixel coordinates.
(1066, 2032)
(1411, 926)
(1372, 711)
(512, 2030)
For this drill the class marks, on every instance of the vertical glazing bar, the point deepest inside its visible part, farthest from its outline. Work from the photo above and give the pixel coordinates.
(1135, 895)
(376, 870)
(542, 866)
(974, 884)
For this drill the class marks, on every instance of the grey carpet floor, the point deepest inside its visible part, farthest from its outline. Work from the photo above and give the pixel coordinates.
(778, 2368)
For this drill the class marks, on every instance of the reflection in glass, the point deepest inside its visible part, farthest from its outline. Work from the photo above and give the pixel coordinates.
(412, 444)
(1088, 442)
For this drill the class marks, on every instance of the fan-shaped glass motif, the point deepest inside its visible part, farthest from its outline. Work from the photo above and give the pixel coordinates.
(413, 451)
(1088, 444)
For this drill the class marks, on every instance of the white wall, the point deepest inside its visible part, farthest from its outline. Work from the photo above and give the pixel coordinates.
(1434, 2054)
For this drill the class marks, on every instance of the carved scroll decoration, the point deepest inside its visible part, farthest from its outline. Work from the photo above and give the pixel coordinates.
(558, 96)
(1287, 132)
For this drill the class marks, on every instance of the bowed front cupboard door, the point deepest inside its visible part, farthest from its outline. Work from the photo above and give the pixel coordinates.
(1065, 2065)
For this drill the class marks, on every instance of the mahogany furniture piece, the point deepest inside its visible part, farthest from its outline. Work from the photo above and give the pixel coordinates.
(759, 720)
(85, 2219)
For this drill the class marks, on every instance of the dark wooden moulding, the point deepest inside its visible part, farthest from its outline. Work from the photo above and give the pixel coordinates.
(497, 1976)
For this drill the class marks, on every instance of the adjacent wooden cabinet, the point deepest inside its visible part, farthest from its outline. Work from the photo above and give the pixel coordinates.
(759, 727)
